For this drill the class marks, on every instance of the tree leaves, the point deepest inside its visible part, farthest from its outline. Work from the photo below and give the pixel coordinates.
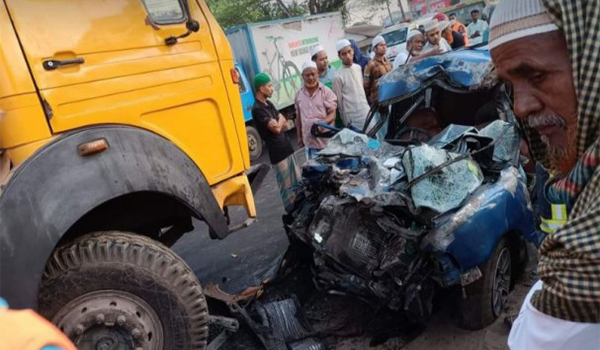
(230, 13)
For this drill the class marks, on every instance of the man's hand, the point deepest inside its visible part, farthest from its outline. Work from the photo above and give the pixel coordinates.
(300, 142)
(277, 126)
(475, 35)
(434, 52)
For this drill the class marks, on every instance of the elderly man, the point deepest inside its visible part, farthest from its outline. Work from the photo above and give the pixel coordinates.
(326, 72)
(271, 126)
(433, 34)
(414, 49)
(378, 66)
(548, 50)
(315, 102)
(349, 89)
(476, 28)
(415, 41)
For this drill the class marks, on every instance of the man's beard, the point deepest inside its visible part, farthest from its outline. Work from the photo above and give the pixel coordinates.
(561, 159)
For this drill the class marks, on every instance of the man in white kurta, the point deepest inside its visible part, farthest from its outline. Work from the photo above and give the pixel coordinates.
(349, 88)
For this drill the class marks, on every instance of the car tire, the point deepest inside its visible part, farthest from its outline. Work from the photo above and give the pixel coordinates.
(486, 298)
(113, 287)
(255, 144)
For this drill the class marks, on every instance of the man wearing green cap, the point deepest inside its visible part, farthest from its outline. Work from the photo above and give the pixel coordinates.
(271, 126)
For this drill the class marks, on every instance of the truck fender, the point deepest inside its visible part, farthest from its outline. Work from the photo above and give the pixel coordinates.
(57, 186)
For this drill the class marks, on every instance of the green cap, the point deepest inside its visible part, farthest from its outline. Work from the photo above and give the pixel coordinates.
(261, 79)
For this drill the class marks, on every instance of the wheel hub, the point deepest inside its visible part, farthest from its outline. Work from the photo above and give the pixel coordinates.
(110, 320)
(107, 342)
(252, 143)
(502, 278)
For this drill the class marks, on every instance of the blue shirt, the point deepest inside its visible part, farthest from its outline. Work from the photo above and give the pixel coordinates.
(327, 79)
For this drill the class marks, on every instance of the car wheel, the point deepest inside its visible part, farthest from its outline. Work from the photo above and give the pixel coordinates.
(255, 144)
(487, 297)
(115, 290)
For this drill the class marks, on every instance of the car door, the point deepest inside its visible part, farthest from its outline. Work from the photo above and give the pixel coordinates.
(121, 71)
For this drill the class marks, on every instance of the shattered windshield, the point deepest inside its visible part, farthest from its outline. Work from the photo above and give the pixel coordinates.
(446, 189)
(507, 136)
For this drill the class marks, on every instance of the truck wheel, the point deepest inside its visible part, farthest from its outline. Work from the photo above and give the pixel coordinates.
(487, 297)
(115, 290)
(254, 143)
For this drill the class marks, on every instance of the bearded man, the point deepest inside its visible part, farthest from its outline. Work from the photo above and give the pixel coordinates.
(549, 50)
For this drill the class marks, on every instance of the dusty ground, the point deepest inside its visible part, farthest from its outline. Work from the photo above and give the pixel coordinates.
(442, 333)
(242, 259)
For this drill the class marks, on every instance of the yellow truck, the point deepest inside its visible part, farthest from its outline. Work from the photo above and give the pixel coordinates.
(121, 121)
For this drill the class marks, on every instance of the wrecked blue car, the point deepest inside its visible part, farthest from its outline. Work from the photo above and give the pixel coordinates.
(430, 196)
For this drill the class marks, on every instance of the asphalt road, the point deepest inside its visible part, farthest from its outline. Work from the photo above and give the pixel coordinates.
(238, 261)
(241, 259)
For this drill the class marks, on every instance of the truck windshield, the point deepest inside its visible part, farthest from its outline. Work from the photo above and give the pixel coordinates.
(396, 37)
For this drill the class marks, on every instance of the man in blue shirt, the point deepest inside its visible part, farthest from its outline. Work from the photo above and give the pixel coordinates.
(326, 72)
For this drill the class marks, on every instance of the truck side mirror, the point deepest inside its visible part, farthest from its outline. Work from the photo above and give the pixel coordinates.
(192, 26)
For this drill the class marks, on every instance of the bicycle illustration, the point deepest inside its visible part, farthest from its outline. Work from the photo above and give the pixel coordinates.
(288, 75)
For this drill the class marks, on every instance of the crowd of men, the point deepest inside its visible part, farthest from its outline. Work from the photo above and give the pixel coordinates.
(343, 97)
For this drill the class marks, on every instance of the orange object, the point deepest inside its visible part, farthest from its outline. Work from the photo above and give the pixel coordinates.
(461, 29)
(26, 330)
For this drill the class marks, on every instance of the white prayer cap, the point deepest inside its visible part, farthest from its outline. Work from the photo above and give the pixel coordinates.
(432, 25)
(516, 19)
(308, 64)
(376, 41)
(341, 44)
(315, 50)
(412, 34)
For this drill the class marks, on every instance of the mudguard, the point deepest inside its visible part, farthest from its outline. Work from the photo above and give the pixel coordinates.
(470, 234)
(57, 186)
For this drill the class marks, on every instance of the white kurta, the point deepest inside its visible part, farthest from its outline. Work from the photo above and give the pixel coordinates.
(534, 330)
(480, 27)
(350, 91)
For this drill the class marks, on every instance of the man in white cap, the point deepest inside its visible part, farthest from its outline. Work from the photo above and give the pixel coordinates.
(455, 39)
(326, 72)
(377, 67)
(349, 89)
(415, 41)
(315, 102)
(435, 42)
(550, 53)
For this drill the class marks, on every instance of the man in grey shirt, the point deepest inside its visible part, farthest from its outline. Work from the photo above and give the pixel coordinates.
(349, 88)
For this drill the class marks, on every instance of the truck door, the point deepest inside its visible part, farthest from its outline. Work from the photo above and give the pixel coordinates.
(106, 62)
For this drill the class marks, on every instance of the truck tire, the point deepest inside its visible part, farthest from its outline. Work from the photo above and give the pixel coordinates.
(116, 290)
(487, 297)
(255, 144)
